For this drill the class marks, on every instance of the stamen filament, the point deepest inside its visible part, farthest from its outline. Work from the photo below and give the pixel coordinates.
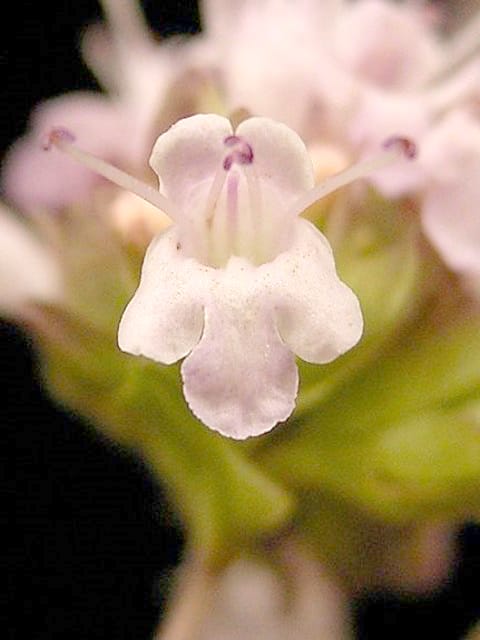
(395, 149)
(254, 191)
(64, 140)
(214, 193)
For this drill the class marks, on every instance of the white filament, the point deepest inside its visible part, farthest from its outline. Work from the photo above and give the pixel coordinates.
(344, 178)
(396, 148)
(62, 140)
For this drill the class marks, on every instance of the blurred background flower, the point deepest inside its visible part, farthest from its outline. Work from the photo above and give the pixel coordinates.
(364, 490)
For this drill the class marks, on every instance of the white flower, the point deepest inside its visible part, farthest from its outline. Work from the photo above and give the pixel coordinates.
(239, 283)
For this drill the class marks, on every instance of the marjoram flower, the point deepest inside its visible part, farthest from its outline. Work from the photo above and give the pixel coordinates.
(239, 284)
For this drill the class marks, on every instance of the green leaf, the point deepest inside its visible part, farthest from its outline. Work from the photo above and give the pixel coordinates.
(401, 439)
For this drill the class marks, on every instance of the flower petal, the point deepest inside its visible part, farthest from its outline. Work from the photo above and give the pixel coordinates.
(240, 380)
(451, 210)
(280, 157)
(28, 271)
(396, 47)
(164, 319)
(218, 16)
(318, 316)
(187, 157)
(270, 59)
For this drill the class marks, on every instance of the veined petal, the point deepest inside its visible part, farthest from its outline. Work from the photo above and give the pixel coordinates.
(187, 157)
(241, 380)
(164, 319)
(317, 315)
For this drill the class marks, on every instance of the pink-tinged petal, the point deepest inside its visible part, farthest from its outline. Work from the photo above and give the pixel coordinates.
(451, 206)
(146, 78)
(318, 316)
(35, 181)
(187, 157)
(281, 159)
(98, 52)
(218, 16)
(271, 57)
(164, 319)
(131, 66)
(124, 56)
(28, 271)
(386, 43)
(241, 380)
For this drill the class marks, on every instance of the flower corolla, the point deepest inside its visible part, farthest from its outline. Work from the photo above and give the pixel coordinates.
(239, 284)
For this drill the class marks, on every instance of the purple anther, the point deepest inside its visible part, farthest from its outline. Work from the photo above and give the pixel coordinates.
(57, 135)
(231, 141)
(405, 145)
(242, 152)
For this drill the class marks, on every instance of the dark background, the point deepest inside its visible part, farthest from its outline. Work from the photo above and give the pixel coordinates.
(90, 541)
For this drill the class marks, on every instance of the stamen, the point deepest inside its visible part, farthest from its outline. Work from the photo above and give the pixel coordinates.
(396, 148)
(254, 191)
(232, 197)
(214, 193)
(64, 140)
(404, 145)
(242, 152)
